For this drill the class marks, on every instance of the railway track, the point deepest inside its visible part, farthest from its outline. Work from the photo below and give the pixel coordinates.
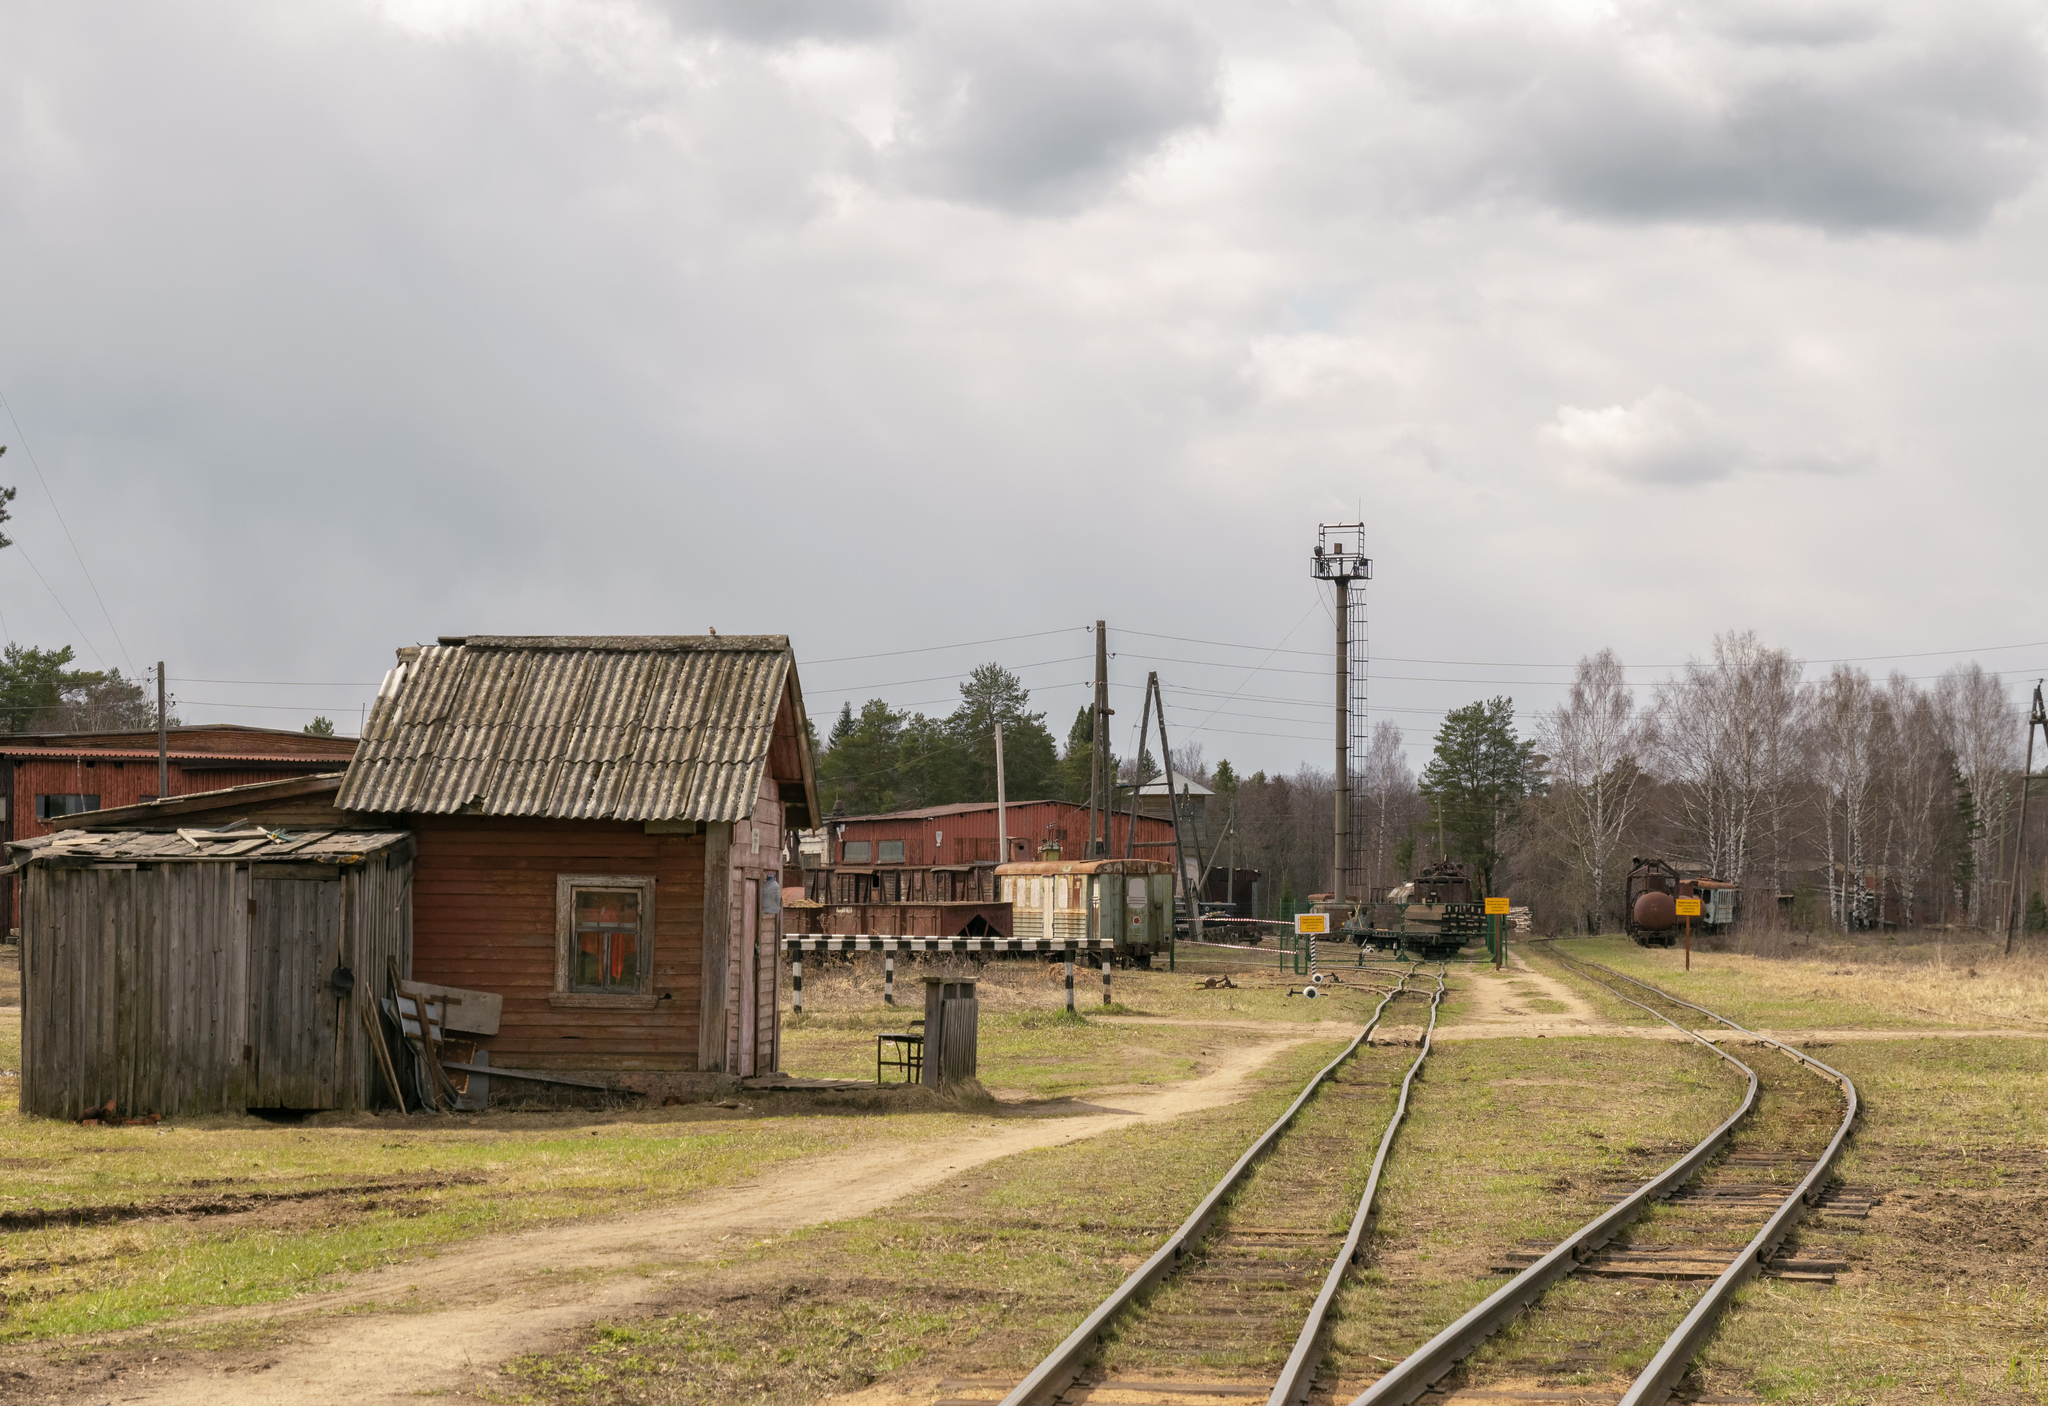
(1718, 1216)
(1233, 1304)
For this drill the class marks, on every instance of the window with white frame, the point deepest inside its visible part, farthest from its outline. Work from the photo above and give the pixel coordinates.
(604, 924)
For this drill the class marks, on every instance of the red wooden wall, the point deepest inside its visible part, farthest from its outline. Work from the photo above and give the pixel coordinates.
(484, 918)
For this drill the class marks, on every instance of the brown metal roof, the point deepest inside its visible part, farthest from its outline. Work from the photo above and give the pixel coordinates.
(583, 728)
(138, 754)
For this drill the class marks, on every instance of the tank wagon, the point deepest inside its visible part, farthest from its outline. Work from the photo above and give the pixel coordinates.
(1650, 903)
(1434, 916)
(1066, 899)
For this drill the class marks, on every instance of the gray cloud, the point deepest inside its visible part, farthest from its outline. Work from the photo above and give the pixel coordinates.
(783, 21)
(1042, 107)
(1847, 118)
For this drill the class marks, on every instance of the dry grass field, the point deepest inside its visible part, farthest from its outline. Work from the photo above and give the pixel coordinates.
(116, 1244)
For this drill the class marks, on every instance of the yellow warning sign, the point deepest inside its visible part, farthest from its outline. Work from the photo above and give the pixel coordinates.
(1688, 907)
(1317, 923)
(1497, 907)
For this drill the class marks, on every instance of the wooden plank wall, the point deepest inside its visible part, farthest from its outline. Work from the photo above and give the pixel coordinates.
(718, 913)
(139, 986)
(483, 914)
(756, 854)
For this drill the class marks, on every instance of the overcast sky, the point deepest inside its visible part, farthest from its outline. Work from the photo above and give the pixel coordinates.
(887, 324)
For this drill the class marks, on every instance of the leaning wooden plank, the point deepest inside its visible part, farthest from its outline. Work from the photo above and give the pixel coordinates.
(376, 1028)
(472, 1012)
(498, 1071)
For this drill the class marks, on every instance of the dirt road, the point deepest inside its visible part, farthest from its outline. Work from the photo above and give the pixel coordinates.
(507, 1295)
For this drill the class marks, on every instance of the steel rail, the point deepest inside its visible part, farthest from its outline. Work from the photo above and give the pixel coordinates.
(1653, 1386)
(1408, 1379)
(1065, 1363)
(1298, 1374)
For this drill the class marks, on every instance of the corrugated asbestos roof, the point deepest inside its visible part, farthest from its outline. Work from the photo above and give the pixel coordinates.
(578, 728)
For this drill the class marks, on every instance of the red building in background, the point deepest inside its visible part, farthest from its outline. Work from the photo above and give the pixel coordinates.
(44, 775)
(966, 834)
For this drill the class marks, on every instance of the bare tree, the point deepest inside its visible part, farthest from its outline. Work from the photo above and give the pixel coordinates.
(1387, 802)
(1848, 725)
(1727, 736)
(1595, 741)
(1982, 728)
(1914, 784)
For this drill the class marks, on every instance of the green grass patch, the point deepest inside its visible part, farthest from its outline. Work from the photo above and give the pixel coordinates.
(1947, 1296)
(1512, 1141)
(983, 1275)
(306, 1205)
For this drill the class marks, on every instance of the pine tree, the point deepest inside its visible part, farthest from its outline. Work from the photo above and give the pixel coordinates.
(1477, 781)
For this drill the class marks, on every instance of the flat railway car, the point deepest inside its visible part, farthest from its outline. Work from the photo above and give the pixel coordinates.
(1434, 916)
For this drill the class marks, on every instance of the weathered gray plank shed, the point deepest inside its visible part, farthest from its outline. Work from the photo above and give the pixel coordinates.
(203, 971)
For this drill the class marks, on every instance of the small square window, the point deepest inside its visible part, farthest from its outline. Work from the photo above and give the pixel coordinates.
(889, 852)
(604, 926)
(607, 940)
(855, 852)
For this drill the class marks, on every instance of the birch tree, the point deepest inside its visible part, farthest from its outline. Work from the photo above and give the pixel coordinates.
(1914, 788)
(1595, 741)
(1846, 726)
(1982, 728)
(1387, 802)
(1727, 737)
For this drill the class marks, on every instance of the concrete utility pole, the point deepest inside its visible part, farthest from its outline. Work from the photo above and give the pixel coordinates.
(1339, 558)
(1101, 782)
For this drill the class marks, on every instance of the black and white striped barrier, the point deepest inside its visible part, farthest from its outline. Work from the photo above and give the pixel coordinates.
(890, 946)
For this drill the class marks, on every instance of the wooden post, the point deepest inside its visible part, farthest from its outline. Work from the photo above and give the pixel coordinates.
(796, 978)
(2016, 905)
(1070, 980)
(163, 738)
(1105, 976)
(1137, 773)
(888, 978)
(1688, 942)
(1002, 809)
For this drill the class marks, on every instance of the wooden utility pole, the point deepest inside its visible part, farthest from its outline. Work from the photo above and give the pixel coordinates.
(2015, 905)
(1002, 812)
(163, 737)
(1101, 780)
(1180, 859)
(1138, 770)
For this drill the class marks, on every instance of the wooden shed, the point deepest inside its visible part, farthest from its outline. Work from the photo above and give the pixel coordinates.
(202, 971)
(600, 822)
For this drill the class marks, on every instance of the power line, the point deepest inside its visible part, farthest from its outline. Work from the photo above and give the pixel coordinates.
(964, 644)
(935, 678)
(82, 635)
(29, 450)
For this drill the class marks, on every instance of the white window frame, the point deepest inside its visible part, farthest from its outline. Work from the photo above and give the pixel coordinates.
(642, 997)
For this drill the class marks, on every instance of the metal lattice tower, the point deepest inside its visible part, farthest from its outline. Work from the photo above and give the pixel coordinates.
(1339, 558)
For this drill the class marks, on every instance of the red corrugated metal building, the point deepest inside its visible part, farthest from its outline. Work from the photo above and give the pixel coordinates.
(43, 775)
(966, 834)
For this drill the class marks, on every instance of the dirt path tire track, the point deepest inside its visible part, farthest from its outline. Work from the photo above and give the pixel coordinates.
(511, 1294)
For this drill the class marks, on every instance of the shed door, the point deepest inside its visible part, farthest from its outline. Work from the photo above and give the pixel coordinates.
(294, 1015)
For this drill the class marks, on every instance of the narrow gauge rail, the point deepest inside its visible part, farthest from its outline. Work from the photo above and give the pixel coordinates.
(1209, 1277)
(1770, 1156)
